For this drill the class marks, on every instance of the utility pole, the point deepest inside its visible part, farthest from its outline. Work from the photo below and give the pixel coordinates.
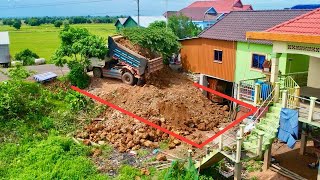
(167, 15)
(138, 1)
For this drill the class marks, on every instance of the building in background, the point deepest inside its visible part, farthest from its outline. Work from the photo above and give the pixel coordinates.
(132, 21)
(4, 49)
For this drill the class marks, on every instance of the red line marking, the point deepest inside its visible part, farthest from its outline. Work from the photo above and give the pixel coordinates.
(234, 123)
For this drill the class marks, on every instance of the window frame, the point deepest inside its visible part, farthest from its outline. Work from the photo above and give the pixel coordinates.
(259, 54)
(214, 56)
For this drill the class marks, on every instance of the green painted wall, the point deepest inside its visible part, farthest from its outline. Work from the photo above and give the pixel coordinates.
(244, 58)
(297, 63)
(118, 26)
(130, 23)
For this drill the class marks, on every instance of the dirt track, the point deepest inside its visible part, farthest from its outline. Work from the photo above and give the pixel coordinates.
(168, 99)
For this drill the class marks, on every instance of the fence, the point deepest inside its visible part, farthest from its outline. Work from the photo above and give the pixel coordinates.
(301, 78)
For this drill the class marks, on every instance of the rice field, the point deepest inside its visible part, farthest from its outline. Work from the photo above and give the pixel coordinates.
(44, 39)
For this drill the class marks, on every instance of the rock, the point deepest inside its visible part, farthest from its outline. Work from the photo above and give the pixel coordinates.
(87, 142)
(172, 146)
(101, 142)
(177, 142)
(122, 149)
(202, 127)
(225, 108)
(96, 152)
(148, 143)
(145, 171)
(161, 157)
(198, 141)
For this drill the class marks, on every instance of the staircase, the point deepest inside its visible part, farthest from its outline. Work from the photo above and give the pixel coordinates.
(214, 157)
(268, 127)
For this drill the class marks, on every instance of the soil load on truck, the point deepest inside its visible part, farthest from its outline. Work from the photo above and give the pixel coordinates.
(142, 59)
(168, 99)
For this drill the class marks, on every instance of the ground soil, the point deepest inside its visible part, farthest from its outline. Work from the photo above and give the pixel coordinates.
(168, 99)
(138, 49)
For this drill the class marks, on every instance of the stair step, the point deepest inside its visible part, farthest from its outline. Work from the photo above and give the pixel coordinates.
(267, 128)
(277, 105)
(270, 121)
(275, 109)
(272, 115)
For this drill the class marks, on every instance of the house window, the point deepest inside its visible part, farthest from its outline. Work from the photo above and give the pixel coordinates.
(257, 61)
(218, 55)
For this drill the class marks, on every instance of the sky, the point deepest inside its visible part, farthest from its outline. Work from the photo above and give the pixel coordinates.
(18, 8)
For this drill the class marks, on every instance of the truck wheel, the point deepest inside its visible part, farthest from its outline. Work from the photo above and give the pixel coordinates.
(128, 78)
(97, 72)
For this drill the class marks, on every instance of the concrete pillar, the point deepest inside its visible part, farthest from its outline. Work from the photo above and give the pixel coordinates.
(203, 82)
(303, 141)
(238, 152)
(267, 158)
(237, 171)
(260, 144)
(275, 68)
(296, 97)
(207, 149)
(284, 99)
(276, 92)
(257, 93)
(221, 140)
(242, 126)
(311, 108)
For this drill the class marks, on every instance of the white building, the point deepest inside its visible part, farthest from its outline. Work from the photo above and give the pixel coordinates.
(4, 49)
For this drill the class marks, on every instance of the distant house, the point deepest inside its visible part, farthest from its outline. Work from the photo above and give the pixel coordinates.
(306, 6)
(145, 21)
(4, 49)
(206, 13)
(169, 13)
(119, 23)
(224, 57)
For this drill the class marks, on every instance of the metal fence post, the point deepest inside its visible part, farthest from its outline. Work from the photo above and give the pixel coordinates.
(311, 108)
(284, 99)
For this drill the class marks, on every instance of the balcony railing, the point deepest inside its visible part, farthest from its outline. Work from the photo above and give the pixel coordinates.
(301, 78)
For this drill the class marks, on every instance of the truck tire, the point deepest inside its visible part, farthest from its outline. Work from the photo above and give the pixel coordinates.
(128, 78)
(97, 72)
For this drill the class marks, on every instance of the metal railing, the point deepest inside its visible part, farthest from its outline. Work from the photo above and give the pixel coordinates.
(309, 109)
(301, 78)
(254, 90)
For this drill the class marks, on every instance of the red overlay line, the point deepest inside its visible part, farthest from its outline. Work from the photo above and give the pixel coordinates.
(234, 123)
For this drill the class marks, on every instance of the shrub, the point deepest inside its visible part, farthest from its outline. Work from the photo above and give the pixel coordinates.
(19, 72)
(77, 75)
(27, 56)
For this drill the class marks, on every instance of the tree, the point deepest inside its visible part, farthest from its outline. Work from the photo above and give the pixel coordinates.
(158, 24)
(17, 24)
(182, 26)
(77, 46)
(58, 23)
(27, 56)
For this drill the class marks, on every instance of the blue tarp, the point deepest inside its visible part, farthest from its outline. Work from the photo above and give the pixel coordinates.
(45, 76)
(288, 130)
(265, 90)
(306, 6)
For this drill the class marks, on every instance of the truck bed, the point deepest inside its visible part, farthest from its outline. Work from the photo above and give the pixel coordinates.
(143, 64)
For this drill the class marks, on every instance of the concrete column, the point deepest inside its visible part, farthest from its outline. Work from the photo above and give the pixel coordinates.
(296, 95)
(260, 143)
(284, 99)
(237, 171)
(276, 92)
(242, 126)
(238, 152)
(275, 68)
(311, 108)
(203, 82)
(220, 140)
(303, 141)
(257, 92)
(267, 158)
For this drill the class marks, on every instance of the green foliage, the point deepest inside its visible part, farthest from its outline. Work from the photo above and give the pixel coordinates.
(19, 73)
(77, 101)
(182, 26)
(253, 166)
(158, 24)
(54, 158)
(17, 24)
(178, 171)
(154, 38)
(27, 56)
(58, 23)
(77, 46)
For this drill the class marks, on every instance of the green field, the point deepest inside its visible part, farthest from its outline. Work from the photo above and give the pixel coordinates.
(44, 39)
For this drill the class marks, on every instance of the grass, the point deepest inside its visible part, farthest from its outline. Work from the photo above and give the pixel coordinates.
(44, 39)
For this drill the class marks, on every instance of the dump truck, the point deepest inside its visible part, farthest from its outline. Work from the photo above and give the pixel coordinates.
(125, 64)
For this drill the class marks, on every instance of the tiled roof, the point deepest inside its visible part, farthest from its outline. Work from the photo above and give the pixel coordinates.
(233, 27)
(4, 38)
(198, 13)
(222, 6)
(307, 24)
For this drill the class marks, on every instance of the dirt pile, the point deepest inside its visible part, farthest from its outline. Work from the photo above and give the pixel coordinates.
(170, 101)
(138, 49)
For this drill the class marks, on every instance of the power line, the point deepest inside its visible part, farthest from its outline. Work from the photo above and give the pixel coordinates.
(52, 4)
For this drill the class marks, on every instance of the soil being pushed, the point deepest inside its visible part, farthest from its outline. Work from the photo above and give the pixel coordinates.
(138, 49)
(169, 100)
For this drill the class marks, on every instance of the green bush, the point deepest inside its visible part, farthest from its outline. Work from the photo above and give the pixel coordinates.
(54, 158)
(77, 75)
(19, 72)
(27, 56)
